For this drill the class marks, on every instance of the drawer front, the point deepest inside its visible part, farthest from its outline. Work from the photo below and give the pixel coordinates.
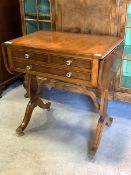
(31, 55)
(70, 61)
(52, 71)
(51, 58)
(66, 68)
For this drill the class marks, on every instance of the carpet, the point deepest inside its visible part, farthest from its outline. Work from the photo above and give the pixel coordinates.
(56, 142)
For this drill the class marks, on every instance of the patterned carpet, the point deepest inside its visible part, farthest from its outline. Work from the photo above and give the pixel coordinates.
(57, 141)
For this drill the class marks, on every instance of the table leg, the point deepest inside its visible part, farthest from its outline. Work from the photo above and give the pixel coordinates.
(33, 91)
(25, 85)
(103, 120)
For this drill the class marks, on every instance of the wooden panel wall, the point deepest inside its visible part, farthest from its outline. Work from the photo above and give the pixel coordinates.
(95, 16)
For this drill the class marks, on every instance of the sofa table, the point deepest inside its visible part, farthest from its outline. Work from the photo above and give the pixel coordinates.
(89, 62)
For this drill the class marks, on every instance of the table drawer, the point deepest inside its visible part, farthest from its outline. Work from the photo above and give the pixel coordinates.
(28, 68)
(37, 56)
(70, 61)
(30, 54)
(56, 66)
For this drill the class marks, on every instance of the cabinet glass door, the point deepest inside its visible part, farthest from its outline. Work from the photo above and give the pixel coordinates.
(126, 65)
(44, 10)
(37, 15)
(126, 68)
(44, 7)
(30, 16)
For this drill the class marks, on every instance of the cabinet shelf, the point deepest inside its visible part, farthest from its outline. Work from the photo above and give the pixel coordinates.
(127, 57)
(127, 53)
(39, 14)
(37, 20)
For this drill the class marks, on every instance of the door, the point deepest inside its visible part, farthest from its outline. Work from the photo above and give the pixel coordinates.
(37, 15)
(125, 79)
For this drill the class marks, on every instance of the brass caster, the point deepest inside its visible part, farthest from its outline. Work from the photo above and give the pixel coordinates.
(26, 95)
(91, 154)
(19, 132)
(48, 106)
(111, 121)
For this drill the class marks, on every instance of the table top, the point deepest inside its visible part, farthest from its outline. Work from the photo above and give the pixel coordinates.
(79, 44)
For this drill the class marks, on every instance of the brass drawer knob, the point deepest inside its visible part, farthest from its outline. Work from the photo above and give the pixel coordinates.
(28, 68)
(27, 56)
(69, 62)
(69, 74)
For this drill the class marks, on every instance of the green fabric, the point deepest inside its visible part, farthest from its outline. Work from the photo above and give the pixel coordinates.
(43, 8)
(30, 6)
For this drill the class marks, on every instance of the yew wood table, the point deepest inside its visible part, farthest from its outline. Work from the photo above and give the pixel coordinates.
(88, 61)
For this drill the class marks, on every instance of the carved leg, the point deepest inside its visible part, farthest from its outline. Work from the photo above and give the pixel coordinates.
(25, 85)
(92, 95)
(43, 105)
(103, 120)
(33, 91)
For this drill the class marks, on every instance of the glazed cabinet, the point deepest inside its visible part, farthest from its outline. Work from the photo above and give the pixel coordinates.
(123, 83)
(37, 15)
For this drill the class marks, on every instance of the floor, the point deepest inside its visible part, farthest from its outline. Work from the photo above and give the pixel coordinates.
(57, 141)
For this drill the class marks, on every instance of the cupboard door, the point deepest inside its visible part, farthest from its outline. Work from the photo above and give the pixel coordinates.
(37, 15)
(125, 80)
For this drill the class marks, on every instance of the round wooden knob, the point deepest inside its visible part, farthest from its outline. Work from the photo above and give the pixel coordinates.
(27, 56)
(68, 62)
(69, 74)
(28, 68)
